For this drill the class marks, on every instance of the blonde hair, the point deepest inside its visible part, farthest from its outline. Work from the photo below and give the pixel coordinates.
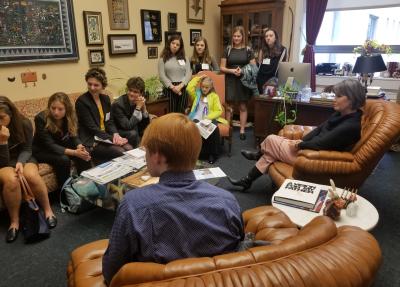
(239, 29)
(70, 115)
(177, 138)
(210, 81)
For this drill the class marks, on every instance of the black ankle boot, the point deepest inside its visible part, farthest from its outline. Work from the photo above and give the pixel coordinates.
(246, 181)
(251, 155)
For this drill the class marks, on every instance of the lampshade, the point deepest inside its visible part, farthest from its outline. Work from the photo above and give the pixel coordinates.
(369, 64)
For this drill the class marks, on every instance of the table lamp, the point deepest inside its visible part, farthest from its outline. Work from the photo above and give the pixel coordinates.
(367, 66)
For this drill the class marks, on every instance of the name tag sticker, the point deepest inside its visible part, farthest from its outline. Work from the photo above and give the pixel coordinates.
(107, 117)
(205, 66)
(266, 61)
(181, 62)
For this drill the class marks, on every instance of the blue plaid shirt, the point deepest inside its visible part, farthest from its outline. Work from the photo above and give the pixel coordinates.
(179, 217)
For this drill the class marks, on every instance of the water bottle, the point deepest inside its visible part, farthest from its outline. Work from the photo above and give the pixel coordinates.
(306, 93)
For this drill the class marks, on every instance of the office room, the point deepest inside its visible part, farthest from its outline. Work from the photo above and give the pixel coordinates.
(269, 131)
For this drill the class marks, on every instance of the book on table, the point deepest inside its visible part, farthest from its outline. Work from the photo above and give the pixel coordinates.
(301, 194)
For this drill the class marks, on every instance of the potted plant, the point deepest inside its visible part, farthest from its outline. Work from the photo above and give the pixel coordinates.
(153, 88)
(372, 47)
(285, 114)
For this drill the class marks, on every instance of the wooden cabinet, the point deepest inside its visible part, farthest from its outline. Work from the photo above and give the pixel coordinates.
(265, 110)
(254, 16)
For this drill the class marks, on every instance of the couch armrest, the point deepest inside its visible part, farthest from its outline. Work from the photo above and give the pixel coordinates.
(295, 132)
(323, 162)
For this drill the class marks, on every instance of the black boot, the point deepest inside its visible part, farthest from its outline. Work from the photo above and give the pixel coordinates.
(246, 181)
(251, 155)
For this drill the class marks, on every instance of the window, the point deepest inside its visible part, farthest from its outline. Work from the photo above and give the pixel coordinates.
(342, 31)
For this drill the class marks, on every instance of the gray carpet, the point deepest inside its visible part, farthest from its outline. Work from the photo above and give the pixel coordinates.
(45, 263)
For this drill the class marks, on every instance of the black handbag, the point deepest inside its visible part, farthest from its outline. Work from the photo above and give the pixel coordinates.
(34, 225)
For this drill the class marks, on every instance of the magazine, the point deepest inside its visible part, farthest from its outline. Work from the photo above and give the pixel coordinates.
(206, 173)
(107, 172)
(136, 153)
(300, 194)
(206, 128)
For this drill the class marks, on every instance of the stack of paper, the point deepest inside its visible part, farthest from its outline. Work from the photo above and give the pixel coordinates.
(107, 172)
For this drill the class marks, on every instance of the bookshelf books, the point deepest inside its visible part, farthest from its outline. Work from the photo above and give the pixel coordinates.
(301, 194)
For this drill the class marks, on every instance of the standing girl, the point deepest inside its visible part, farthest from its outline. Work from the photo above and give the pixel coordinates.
(206, 105)
(56, 139)
(271, 53)
(235, 57)
(174, 71)
(16, 159)
(201, 59)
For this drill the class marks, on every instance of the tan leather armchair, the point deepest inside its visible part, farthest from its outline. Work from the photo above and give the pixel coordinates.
(317, 255)
(380, 128)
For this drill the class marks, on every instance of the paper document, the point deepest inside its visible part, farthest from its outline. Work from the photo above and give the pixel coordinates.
(107, 172)
(206, 128)
(206, 173)
(136, 163)
(137, 153)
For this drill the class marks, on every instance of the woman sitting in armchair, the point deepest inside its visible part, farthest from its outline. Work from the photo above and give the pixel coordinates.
(340, 132)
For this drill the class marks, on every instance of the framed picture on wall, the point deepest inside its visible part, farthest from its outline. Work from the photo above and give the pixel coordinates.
(172, 21)
(118, 13)
(194, 34)
(93, 28)
(96, 57)
(151, 26)
(152, 52)
(122, 44)
(195, 11)
(168, 34)
(55, 41)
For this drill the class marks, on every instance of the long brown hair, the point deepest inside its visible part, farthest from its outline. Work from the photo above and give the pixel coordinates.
(16, 126)
(206, 55)
(70, 115)
(166, 54)
(276, 50)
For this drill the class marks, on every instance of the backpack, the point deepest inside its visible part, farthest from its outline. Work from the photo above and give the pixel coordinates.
(80, 194)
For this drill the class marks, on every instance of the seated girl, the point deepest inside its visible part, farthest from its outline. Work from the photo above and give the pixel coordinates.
(206, 105)
(340, 132)
(16, 158)
(94, 120)
(56, 139)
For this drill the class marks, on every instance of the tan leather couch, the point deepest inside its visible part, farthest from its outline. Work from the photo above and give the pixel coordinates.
(317, 255)
(380, 128)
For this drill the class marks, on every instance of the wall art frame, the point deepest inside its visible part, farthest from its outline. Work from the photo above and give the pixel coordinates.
(55, 42)
(195, 11)
(118, 13)
(194, 34)
(151, 26)
(122, 44)
(93, 24)
(172, 21)
(96, 57)
(152, 52)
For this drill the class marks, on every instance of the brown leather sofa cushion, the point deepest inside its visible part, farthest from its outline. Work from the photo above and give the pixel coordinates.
(317, 255)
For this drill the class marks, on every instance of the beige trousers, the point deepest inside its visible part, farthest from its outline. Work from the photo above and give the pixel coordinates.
(276, 148)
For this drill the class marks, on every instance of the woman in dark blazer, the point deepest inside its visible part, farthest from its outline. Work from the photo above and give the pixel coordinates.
(16, 158)
(56, 139)
(94, 120)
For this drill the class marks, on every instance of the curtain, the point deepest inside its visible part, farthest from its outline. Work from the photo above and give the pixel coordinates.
(315, 10)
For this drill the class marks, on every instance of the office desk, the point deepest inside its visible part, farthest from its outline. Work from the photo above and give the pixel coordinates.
(265, 110)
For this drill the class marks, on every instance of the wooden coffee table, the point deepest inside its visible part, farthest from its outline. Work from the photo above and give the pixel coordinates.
(367, 216)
